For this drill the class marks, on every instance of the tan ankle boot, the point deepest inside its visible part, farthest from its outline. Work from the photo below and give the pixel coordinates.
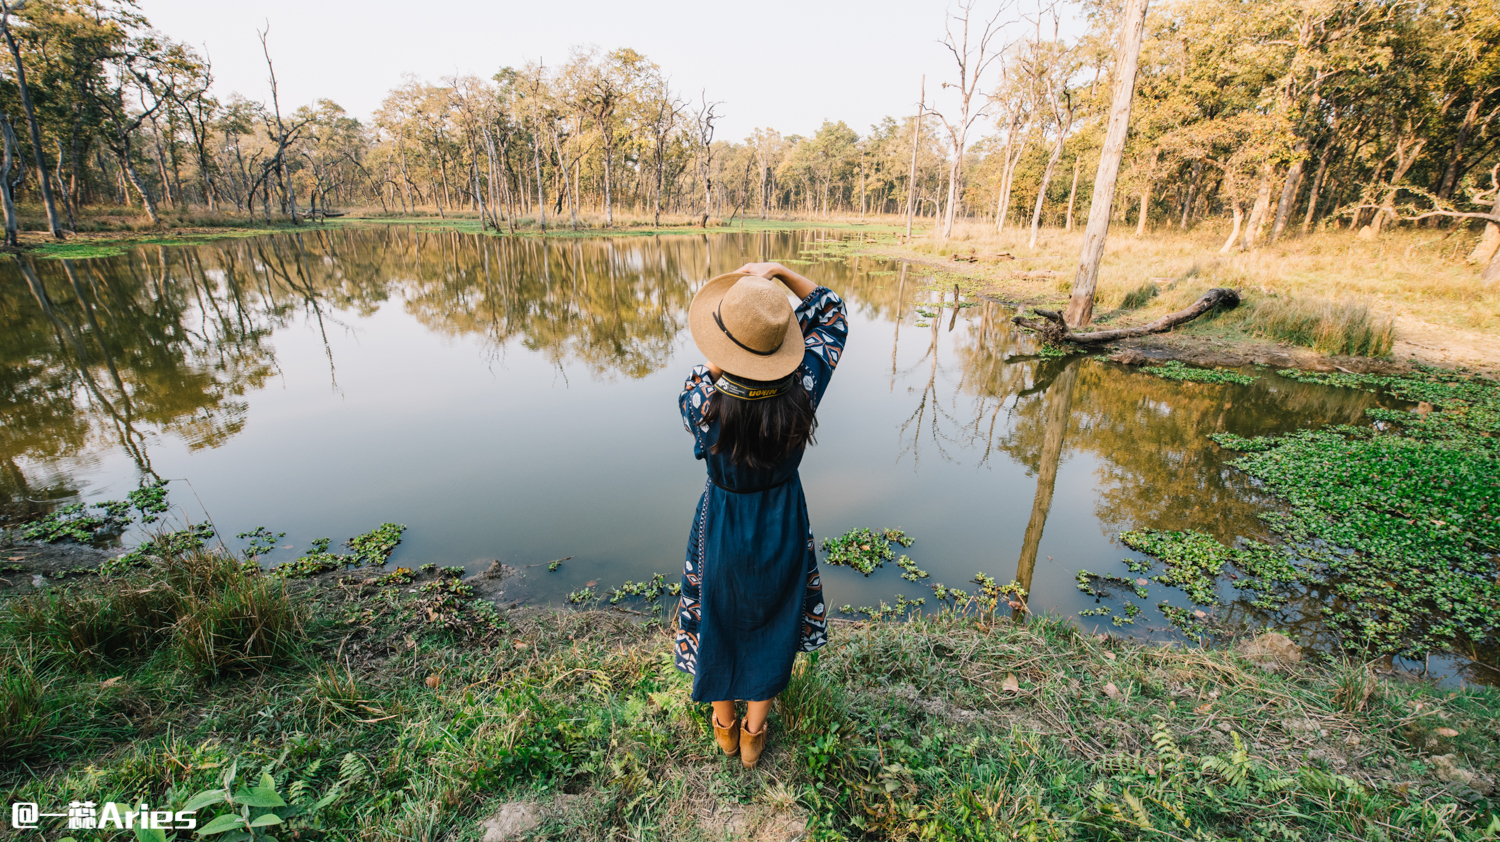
(751, 744)
(729, 738)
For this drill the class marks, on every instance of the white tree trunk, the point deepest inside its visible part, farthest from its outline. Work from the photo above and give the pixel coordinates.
(1132, 28)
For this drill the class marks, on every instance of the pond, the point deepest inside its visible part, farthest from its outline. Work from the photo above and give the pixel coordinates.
(514, 399)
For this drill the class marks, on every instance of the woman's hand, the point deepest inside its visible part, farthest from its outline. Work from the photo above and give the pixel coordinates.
(769, 271)
(800, 286)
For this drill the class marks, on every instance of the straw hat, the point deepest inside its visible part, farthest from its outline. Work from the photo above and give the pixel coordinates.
(745, 325)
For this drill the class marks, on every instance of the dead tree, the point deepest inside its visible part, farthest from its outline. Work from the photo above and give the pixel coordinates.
(1132, 29)
(1054, 329)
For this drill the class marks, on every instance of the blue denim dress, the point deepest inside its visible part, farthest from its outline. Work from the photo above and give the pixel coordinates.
(751, 594)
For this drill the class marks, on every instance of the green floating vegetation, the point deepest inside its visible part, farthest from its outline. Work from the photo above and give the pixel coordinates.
(371, 549)
(866, 550)
(1396, 526)
(1053, 351)
(1177, 370)
(650, 590)
(375, 546)
(97, 524)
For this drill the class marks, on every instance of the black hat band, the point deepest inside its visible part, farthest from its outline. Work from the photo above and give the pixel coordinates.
(720, 322)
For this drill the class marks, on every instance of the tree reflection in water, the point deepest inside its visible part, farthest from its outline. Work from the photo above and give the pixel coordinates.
(118, 354)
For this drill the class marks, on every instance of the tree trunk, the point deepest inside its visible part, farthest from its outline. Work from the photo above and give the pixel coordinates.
(1140, 223)
(1491, 273)
(955, 172)
(1456, 158)
(1488, 247)
(135, 180)
(62, 187)
(1234, 234)
(911, 177)
(1258, 210)
(9, 142)
(1317, 187)
(1055, 330)
(541, 200)
(1041, 193)
(1073, 192)
(1132, 27)
(1192, 194)
(43, 180)
(1289, 189)
(609, 155)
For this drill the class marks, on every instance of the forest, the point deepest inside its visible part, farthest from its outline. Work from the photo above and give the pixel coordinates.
(1265, 117)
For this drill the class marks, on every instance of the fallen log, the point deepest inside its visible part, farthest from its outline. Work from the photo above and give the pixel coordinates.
(1054, 329)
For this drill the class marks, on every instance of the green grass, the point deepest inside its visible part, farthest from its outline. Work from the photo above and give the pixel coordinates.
(414, 719)
(83, 249)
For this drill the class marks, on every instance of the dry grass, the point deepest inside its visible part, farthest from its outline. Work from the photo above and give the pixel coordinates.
(1414, 275)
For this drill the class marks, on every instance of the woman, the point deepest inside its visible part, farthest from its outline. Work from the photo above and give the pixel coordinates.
(751, 595)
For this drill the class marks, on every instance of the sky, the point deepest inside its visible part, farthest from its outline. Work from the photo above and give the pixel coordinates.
(786, 64)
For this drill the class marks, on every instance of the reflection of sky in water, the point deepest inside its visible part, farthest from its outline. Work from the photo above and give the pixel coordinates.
(528, 449)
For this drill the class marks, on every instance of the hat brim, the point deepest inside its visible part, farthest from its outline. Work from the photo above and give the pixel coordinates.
(724, 353)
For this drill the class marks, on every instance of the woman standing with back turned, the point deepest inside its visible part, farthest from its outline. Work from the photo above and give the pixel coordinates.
(751, 594)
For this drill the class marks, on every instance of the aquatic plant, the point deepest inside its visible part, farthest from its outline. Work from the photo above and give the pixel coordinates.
(863, 549)
(1397, 525)
(262, 542)
(94, 524)
(372, 548)
(1177, 370)
(375, 546)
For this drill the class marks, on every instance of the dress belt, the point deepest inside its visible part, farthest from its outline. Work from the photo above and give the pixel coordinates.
(753, 490)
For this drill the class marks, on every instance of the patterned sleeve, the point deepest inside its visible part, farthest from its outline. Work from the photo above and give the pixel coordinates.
(695, 393)
(825, 327)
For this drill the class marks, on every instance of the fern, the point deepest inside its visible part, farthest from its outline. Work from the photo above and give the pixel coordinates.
(353, 773)
(1166, 747)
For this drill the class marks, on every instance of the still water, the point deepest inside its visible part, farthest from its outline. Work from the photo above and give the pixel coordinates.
(515, 400)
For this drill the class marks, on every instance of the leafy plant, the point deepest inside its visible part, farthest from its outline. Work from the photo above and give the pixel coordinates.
(252, 810)
(375, 547)
(1177, 370)
(863, 549)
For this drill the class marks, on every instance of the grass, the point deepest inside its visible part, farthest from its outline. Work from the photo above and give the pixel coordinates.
(1327, 290)
(394, 721)
(202, 607)
(109, 232)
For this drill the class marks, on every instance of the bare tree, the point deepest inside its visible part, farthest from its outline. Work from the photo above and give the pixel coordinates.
(973, 57)
(7, 187)
(703, 123)
(1132, 28)
(911, 178)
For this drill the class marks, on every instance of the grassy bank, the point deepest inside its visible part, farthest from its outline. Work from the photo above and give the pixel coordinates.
(106, 234)
(391, 705)
(1410, 293)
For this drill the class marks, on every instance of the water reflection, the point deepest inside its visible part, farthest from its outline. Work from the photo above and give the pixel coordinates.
(513, 398)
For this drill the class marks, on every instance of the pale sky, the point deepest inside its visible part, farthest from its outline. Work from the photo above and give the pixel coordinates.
(788, 64)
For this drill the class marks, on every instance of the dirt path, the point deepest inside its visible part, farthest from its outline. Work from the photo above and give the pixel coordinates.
(1446, 347)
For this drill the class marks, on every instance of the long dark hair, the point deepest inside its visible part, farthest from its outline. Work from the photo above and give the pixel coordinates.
(759, 434)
